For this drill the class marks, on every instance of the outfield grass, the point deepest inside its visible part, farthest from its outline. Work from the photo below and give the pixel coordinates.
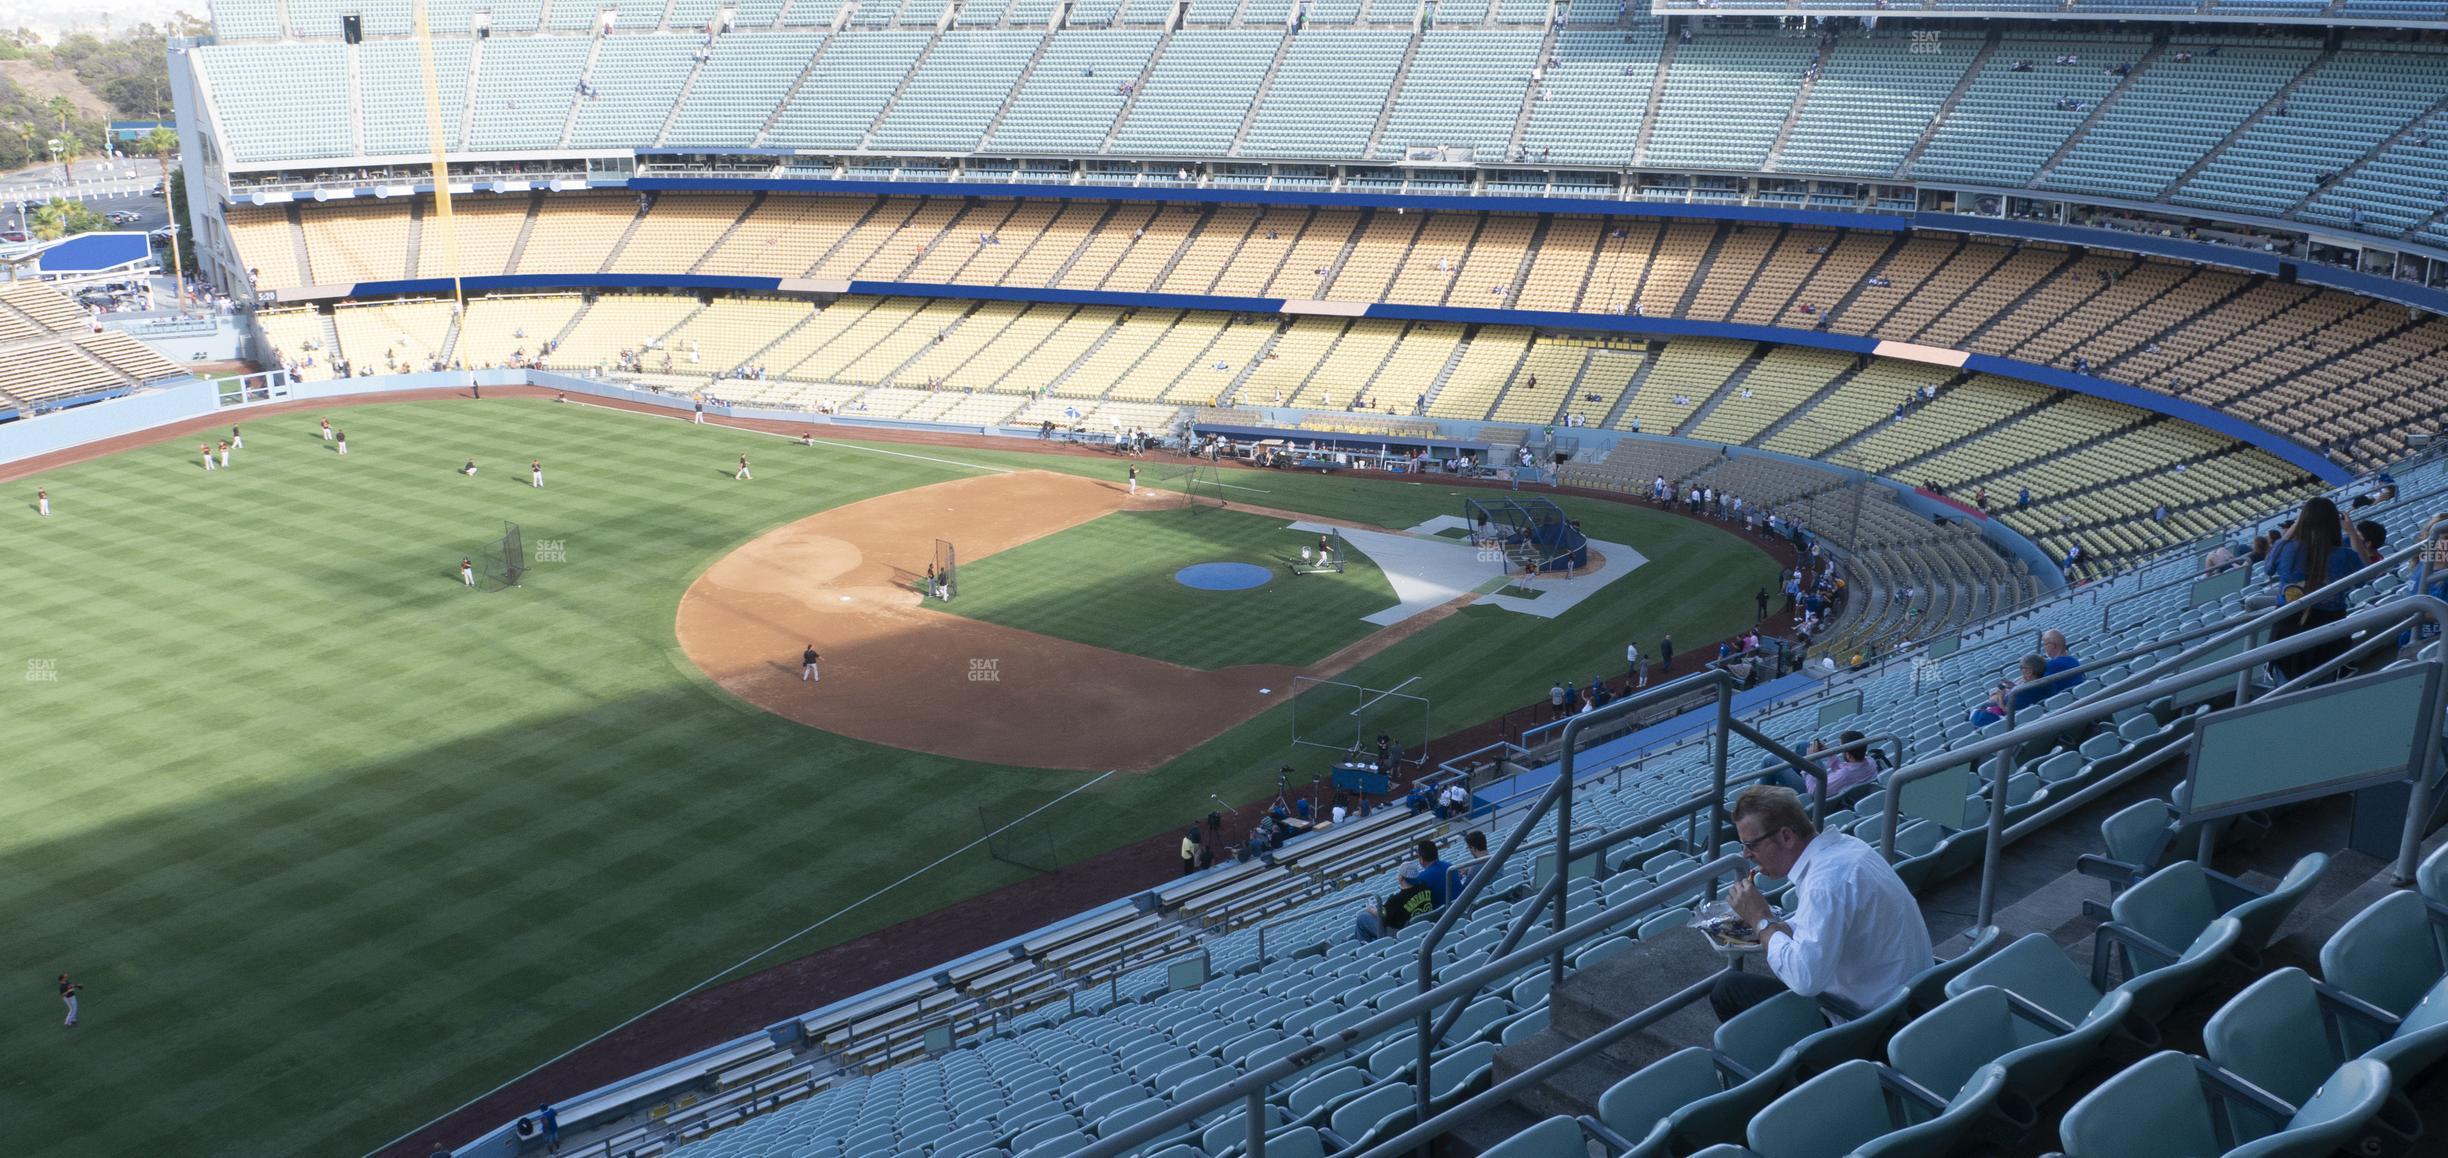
(337, 844)
(1135, 605)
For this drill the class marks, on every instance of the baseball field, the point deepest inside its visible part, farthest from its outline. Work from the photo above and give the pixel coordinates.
(336, 843)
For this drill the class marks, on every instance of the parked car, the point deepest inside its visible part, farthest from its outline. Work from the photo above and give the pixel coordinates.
(122, 217)
(14, 236)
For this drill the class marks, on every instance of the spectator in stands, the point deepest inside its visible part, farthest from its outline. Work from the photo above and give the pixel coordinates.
(2010, 694)
(1426, 884)
(2315, 550)
(1850, 766)
(2062, 663)
(1854, 934)
(1474, 845)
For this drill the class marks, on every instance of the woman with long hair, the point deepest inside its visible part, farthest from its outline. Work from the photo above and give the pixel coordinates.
(2317, 548)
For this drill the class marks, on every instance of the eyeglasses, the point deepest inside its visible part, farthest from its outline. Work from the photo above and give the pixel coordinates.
(1752, 845)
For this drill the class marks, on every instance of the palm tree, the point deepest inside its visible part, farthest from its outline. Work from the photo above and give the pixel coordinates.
(163, 142)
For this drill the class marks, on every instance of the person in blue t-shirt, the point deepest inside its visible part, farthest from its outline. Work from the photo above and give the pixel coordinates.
(2061, 660)
(2033, 689)
(1426, 886)
(2316, 550)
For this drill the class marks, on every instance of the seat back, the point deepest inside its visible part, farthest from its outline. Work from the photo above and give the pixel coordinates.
(1557, 1137)
(2271, 1035)
(1638, 1105)
(2171, 906)
(1754, 1037)
(2036, 970)
(2261, 915)
(2151, 1109)
(2334, 1115)
(1942, 1049)
(2158, 992)
(1825, 1117)
(2385, 954)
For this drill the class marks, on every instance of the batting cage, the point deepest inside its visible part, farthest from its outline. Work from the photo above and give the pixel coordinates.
(506, 562)
(1202, 486)
(1528, 533)
(944, 583)
(1348, 718)
(1326, 556)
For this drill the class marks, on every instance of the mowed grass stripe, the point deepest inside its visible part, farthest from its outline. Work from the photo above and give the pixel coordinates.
(339, 845)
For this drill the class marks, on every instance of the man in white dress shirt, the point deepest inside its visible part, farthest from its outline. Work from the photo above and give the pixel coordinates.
(1853, 931)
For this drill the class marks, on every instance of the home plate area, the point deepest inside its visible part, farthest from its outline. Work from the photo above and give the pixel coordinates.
(1428, 569)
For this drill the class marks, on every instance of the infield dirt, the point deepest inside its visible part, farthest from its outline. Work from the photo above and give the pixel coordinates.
(898, 673)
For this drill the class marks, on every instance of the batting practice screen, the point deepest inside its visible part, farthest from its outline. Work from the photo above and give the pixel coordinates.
(506, 564)
(1349, 717)
(947, 571)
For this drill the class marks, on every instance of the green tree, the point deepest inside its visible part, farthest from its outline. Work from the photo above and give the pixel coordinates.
(186, 256)
(64, 218)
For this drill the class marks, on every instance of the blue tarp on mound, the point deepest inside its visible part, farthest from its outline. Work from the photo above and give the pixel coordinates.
(94, 253)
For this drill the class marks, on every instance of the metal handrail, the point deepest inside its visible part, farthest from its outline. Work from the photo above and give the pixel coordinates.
(1997, 749)
(2269, 616)
(1558, 799)
(1251, 1086)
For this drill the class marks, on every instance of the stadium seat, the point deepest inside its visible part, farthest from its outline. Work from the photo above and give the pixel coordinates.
(2176, 904)
(1557, 1137)
(2286, 1033)
(1847, 1110)
(1944, 1048)
(2163, 1104)
(1384, 1109)
(2386, 955)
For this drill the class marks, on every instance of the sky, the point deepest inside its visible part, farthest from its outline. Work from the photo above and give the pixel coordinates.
(54, 19)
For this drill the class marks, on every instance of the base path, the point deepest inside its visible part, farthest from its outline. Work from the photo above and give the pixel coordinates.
(900, 672)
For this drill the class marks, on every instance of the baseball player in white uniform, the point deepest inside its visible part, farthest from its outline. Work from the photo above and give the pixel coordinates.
(467, 571)
(535, 473)
(42, 502)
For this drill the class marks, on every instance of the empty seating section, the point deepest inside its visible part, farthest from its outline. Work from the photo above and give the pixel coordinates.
(391, 95)
(1194, 100)
(266, 244)
(845, 90)
(1488, 362)
(1786, 378)
(1874, 97)
(2396, 190)
(579, 234)
(496, 331)
(2334, 115)
(1858, 403)
(525, 87)
(298, 340)
(1464, 89)
(397, 337)
(2173, 112)
(280, 102)
(2021, 106)
(482, 229)
(131, 358)
(245, 19)
(954, 92)
(1538, 389)
(51, 371)
(1327, 94)
(1685, 375)
(350, 243)
(1726, 97)
(1070, 100)
(678, 230)
(738, 87)
(633, 84)
(1280, 379)
(1577, 111)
